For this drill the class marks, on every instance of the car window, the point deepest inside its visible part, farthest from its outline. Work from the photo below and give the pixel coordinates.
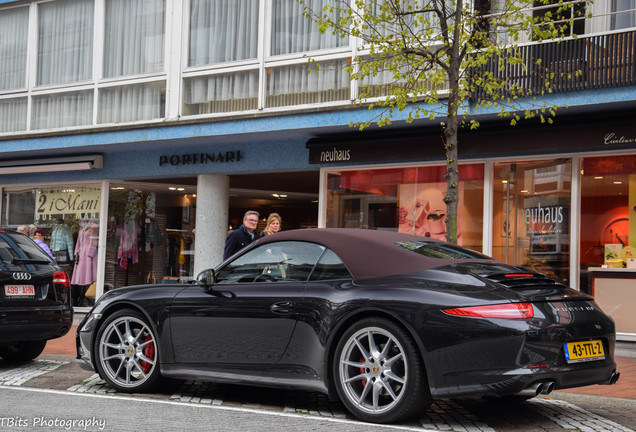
(329, 267)
(440, 250)
(272, 262)
(8, 251)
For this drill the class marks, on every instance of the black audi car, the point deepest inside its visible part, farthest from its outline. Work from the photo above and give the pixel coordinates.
(385, 322)
(35, 298)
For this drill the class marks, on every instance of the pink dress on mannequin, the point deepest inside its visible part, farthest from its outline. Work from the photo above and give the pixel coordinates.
(85, 272)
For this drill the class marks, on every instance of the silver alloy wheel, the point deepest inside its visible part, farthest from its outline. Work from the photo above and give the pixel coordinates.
(127, 352)
(373, 370)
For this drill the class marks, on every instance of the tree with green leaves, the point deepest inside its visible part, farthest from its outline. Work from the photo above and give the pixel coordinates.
(436, 58)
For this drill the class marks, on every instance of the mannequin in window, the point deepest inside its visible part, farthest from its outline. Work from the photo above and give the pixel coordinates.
(62, 243)
(85, 272)
(128, 252)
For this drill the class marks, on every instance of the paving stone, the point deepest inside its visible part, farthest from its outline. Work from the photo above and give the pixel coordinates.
(541, 414)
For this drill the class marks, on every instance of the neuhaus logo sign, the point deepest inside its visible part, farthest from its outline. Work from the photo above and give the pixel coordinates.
(200, 158)
(398, 148)
(335, 155)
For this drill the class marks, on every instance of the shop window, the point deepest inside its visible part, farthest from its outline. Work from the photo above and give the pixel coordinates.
(150, 235)
(531, 215)
(608, 212)
(69, 217)
(408, 200)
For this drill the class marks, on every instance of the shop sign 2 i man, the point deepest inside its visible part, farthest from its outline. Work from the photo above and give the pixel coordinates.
(65, 201)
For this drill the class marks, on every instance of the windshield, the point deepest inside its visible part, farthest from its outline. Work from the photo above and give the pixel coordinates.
(440, 250)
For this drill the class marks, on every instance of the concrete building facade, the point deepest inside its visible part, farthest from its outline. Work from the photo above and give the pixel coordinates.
(137, 132)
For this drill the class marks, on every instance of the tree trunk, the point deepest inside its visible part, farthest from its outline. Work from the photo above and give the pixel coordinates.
(451, 129)
(452, 178)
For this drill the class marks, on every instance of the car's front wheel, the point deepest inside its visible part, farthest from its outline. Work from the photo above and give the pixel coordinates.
(378, 372)
(127, 352)
(22, 351)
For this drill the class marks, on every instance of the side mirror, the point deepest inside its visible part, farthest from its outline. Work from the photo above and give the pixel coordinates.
(205, 279)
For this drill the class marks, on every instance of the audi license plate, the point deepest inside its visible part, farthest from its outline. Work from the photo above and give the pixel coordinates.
(577, 352)
(19, 290)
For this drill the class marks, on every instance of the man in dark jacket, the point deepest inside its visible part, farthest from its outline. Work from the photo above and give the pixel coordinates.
(239, 238)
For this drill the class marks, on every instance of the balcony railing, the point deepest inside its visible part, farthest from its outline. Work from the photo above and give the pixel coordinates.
(585, 63)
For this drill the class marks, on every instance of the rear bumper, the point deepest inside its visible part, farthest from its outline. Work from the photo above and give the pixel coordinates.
(27, 324)
(579, 377)
(500, 383)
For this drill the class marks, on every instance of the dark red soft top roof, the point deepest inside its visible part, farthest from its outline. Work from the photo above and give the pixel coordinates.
(367, 253)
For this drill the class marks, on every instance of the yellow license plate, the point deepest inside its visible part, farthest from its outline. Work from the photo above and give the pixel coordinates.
(577, 352)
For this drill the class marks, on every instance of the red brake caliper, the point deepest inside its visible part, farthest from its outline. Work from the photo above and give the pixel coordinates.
(149, 352)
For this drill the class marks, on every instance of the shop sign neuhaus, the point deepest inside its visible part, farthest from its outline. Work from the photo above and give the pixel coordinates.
(200, 158)
(544, 220)
(78, 201)
(369, 152)
(347, 149)
(335, 155)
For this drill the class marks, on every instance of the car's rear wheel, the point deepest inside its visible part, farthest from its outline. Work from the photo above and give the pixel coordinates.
(378, 372)
(22, 351)
(127, 352)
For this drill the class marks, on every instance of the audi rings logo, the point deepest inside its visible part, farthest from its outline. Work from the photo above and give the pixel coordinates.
(22, 276)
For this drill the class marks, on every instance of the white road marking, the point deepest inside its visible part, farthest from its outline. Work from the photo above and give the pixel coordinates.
(444, 415)
(213, 407)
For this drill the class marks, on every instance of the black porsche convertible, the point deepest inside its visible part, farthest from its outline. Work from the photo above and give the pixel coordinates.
(386, 322)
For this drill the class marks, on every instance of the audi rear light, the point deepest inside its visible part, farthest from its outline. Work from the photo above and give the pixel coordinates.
(505, 311)
(61, 278)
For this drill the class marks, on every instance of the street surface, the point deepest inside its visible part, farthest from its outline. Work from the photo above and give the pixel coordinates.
(54, 393)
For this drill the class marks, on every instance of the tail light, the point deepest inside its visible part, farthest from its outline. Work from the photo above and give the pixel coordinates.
(61, 278)
(505, 311)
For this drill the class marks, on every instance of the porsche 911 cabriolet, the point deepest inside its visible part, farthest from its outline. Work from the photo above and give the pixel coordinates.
(383, 321)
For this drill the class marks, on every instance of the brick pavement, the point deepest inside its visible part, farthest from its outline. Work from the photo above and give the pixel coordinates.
(624, 388)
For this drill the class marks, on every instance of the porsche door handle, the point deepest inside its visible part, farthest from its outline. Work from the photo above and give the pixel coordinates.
(283, 307)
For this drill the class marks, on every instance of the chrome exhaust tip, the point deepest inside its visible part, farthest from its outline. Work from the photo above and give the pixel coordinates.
(532, 390)
(614, 377)
(548, 386)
